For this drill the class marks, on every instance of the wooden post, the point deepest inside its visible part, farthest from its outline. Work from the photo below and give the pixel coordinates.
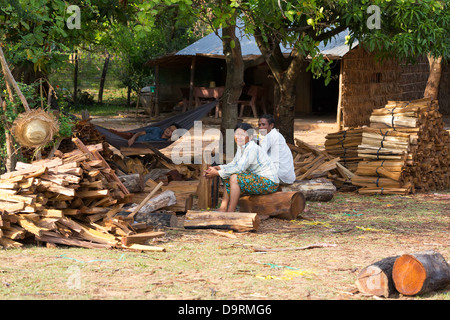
(10, 79)
(156, 90)
(191, 84)
(339, 106)
(204, 187)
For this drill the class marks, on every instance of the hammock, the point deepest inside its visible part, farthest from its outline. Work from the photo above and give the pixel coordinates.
(185, 120)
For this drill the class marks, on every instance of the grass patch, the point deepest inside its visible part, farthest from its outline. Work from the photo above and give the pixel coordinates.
(199, 264)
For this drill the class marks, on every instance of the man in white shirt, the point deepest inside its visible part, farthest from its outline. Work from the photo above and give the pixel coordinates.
(275, 145)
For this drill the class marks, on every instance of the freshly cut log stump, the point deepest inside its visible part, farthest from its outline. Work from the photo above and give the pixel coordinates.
(376, 279)
(421, 272)
(283, 205)
(237, 221)
(313, 190)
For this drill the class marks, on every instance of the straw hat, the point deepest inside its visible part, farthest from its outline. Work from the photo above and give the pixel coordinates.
(34, 128)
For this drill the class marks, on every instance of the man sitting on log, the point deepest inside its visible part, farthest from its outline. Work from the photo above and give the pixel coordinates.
(250, 172)
(149, 134)
(275, 145)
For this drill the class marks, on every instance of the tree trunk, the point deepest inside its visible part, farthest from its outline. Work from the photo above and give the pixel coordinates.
(420, 272)
(128, 96)
(434, 78)
(75, 77)
(234, 80)
(103, 78)
(284, 71)
(376, 279)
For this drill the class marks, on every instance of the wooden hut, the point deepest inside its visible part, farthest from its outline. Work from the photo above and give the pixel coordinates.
(360, 84)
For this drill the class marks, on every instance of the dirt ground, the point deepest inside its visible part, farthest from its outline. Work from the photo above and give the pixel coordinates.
(219, 265)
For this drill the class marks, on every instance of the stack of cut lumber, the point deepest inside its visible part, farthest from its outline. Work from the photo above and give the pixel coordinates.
(311, 163)
(344, 145)
(406, 149)
(71, 199)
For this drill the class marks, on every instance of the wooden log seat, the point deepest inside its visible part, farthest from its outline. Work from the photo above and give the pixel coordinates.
(282, 205)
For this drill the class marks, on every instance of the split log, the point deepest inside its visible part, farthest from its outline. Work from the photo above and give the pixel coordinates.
(313, 190)
(282, 205)
(133, 182)
(164, 199)
(376, 279)
(149, 196)
(237, 221)
(420, 272)
(141, 237)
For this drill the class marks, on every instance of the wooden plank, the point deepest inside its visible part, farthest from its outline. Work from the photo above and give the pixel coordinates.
(141, 237)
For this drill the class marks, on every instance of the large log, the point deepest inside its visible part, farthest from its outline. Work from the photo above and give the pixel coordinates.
(376, 279)
(313, 190)
(283, 205)
(237, 221)
(420, 272)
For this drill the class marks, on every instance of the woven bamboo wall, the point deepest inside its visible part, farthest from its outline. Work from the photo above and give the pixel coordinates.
(367, 85)
(413, 79)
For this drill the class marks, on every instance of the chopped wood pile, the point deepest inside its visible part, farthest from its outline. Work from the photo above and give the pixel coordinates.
(405, 149)
(311, 163)
(71, 199)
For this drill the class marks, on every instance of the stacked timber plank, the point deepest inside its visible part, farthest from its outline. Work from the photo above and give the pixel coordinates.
(71, 200)
(344, 145)
(406, 149)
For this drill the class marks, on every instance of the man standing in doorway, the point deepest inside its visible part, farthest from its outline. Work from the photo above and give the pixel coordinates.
(274, 144)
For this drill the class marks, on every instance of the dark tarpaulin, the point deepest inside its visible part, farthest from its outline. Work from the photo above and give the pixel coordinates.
(185, 120)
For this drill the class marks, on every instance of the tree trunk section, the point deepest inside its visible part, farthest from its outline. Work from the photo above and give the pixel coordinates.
(421, 272)
(376, 279)
(282, 205)
(313, 190)
(237, 221)
(234, 80)
(434, 78)
(103, 78)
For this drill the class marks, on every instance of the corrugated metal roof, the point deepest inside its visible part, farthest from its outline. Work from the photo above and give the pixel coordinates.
(211, 45)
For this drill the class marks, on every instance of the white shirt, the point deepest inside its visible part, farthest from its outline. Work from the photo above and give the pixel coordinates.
(275, 145)
(250, 158)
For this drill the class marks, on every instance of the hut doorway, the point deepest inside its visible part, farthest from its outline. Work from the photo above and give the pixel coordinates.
(325, 97)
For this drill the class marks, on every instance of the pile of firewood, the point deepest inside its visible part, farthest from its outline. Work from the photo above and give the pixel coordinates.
(406, 149)
(311, 163)
(70, 199)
